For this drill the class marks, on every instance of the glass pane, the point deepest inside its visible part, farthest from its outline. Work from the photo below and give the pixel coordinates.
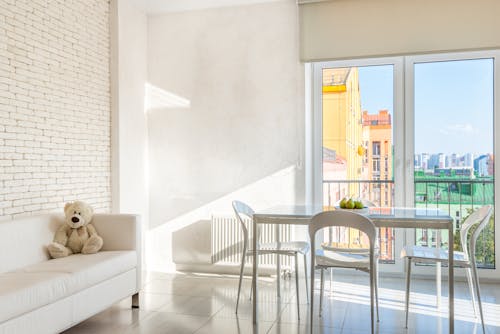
(454, 146)
(358, 145)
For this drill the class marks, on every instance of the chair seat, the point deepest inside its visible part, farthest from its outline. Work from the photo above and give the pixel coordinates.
(422, 254)
(325, 258)
(301, 247)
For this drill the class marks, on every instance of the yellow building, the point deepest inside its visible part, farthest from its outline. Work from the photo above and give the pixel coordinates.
(342, 124)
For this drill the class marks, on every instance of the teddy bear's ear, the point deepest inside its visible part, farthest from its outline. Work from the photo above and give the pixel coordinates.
(67, 205)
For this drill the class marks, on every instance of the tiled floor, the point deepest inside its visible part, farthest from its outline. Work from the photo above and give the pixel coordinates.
(198, 303)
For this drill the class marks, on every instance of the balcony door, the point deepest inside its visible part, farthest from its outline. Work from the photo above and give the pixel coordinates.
(360, 122)
(450, 122)
(408, 131)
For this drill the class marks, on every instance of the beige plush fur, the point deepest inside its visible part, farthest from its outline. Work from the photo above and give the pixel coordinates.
(77, 235)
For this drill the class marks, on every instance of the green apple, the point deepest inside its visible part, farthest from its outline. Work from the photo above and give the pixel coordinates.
(350, 204)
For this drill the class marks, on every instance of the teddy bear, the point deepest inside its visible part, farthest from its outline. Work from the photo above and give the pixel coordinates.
(77, 234)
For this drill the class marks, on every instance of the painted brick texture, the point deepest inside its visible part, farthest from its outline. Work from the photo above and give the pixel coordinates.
(54, 105)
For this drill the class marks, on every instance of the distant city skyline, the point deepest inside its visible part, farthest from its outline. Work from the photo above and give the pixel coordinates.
(459, 153)
(481, 164)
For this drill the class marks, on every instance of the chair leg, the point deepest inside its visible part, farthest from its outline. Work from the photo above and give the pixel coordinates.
(321, 290)
(278, 276)
(372, 296)
(478, 293)
(471, 290)
(305, 277)
(311, 282)
(297, 284)
(331, 280)
(407, 294)
(375, 277)
(242, 266)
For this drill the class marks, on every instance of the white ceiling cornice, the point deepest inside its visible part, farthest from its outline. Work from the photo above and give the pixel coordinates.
(154, 7)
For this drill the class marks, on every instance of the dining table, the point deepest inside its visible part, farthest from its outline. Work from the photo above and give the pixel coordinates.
(391, 217)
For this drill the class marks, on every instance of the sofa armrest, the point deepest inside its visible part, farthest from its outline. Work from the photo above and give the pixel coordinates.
(121, 232)
(118, 231)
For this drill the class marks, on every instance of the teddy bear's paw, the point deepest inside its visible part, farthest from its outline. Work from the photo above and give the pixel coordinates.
(93, 245)
(57, 250)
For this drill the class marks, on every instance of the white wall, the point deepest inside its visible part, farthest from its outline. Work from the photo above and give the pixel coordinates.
(129, 121)
(54, 106)
(129, 130)
(242, 136)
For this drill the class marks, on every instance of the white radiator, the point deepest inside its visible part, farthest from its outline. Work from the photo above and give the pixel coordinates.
(227, 241)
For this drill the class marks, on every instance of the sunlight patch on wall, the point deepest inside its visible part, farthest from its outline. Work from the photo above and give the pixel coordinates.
(157, 98)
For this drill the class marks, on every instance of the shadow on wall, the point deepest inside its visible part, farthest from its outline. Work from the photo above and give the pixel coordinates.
(191, 244)
(187, 238)
(275, 189)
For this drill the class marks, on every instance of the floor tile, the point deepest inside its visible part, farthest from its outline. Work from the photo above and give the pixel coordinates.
(202, 303)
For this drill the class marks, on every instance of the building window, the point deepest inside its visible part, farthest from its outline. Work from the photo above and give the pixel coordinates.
(376, 148)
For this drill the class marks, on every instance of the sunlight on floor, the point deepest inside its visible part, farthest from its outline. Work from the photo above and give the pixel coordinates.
(420, 303)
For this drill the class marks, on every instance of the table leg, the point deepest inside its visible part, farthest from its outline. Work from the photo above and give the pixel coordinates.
(254, 272)
(451, 280)
(278, 262)
(438, 272)
(438, 285)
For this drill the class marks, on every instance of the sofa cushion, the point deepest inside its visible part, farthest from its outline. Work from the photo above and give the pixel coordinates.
(21, 292)
(45, 282)
(89, 269)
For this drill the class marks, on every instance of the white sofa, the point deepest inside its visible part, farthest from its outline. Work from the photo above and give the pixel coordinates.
(40, 295)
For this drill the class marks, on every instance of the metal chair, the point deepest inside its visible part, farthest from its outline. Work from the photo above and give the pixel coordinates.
(325, 259)
(465, 259)
(291, 248)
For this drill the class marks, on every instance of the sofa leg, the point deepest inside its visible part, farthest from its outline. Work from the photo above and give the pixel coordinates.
(135, 300)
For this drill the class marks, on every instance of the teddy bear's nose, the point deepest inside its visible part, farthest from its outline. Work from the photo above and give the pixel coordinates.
(75, 219)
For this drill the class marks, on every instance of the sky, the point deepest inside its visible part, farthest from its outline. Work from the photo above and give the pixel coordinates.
(453, 103)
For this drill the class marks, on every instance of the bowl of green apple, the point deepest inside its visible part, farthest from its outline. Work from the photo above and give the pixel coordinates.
(352, 204)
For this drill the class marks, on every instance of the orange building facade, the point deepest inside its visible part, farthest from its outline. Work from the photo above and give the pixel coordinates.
(377, 141)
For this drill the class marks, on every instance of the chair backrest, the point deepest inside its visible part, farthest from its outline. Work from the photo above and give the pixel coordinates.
(242, 209)
(477, 219)
(346, 219)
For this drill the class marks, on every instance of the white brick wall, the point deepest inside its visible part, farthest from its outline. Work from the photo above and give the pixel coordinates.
(54, 105)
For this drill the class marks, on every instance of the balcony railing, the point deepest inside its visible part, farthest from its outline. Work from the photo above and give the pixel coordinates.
(380, 192)
(458, 197)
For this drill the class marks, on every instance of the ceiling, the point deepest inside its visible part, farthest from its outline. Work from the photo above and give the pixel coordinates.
(165, 6)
